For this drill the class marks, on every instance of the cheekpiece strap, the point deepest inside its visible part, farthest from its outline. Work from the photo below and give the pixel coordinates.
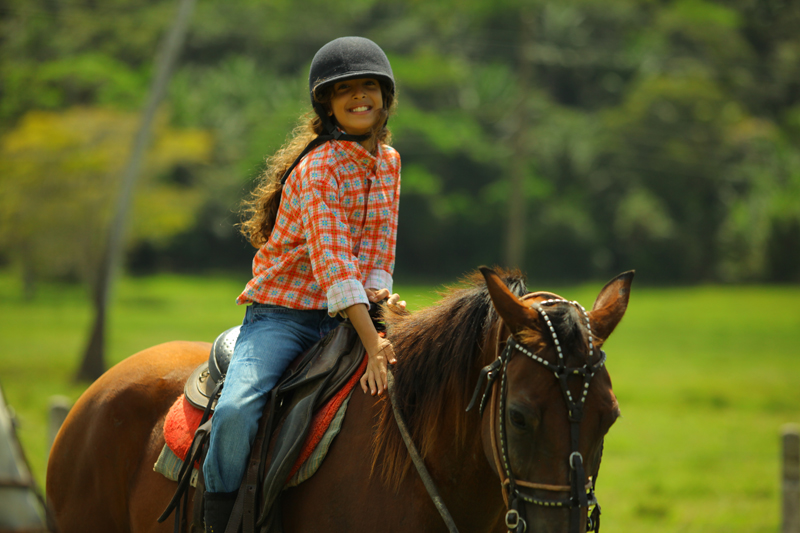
(488, 374)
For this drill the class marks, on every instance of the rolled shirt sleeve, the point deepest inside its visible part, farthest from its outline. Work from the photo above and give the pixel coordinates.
(344, 294)
(379, 279)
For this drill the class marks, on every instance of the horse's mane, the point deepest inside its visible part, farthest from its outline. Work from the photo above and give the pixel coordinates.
(437, 350)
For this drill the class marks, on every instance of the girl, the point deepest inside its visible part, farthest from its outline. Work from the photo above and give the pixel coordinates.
(324, 220)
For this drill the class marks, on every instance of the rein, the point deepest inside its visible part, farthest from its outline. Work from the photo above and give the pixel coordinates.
(581, 495)
(427, 480)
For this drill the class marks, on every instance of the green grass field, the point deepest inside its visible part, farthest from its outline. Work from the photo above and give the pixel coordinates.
(705, 377)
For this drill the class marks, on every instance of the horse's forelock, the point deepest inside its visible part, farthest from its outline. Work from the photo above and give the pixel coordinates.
(570, 325)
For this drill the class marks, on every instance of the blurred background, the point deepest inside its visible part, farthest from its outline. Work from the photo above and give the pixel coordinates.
(609, 135)
(573, 139)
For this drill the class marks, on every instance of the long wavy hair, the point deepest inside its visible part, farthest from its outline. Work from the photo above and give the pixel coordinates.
(260, 209)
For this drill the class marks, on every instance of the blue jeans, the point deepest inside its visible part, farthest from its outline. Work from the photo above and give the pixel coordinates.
(270, 338)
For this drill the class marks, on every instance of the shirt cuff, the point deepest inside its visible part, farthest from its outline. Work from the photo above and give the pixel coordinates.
(344, 294)
(379, 279)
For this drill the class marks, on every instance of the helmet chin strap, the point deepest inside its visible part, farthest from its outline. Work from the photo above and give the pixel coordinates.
(331, 133)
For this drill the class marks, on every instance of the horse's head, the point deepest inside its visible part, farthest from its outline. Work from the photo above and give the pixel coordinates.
(550, 404)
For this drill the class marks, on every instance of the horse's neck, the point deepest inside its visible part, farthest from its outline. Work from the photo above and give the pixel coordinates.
(463, 472)
(468, 486)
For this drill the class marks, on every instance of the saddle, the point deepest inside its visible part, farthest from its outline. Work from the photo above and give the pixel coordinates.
(310, 381)
(199, 388)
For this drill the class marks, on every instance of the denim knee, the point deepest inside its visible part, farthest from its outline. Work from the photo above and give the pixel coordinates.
(232, 419)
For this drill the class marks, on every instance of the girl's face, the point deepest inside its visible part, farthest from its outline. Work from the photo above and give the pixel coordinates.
(356, 104)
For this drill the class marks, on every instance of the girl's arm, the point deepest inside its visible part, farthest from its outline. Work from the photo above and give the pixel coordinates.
(379, 350)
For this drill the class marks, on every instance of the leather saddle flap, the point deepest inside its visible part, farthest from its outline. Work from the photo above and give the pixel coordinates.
(306, 390)
(312, 379)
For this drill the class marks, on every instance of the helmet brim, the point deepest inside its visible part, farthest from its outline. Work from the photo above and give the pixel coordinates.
(321, 84)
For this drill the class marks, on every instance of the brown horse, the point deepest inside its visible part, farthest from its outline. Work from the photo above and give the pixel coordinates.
(100, 477)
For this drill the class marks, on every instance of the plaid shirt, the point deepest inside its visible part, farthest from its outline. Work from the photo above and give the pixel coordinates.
(329, 240)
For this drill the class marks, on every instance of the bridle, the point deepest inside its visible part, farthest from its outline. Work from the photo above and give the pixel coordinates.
(515, 491)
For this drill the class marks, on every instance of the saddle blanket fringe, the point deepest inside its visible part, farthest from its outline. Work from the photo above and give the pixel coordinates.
(169, 465)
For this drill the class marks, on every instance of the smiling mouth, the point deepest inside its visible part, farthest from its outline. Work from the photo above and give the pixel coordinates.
(361, 109)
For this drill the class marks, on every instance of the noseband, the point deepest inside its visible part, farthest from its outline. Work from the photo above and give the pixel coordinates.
(581, 494)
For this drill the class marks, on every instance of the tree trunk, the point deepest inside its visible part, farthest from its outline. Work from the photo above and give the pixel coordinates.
(517, 213)
(29, 277)
(515, 231)
(94, 356)
(93, 363)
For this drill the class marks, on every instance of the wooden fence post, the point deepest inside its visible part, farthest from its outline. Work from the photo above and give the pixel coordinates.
(791, 479)
(59, 409)
(21, 501)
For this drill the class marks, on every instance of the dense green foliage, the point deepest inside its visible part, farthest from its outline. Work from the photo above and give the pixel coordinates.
(704, 386)
(661, 136)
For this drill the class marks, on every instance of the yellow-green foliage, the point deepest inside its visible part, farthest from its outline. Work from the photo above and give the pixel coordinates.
(60, 175)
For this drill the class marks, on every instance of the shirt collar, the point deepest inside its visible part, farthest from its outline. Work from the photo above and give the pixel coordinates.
(358, 154)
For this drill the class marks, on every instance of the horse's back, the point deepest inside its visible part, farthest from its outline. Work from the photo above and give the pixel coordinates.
(98, 457)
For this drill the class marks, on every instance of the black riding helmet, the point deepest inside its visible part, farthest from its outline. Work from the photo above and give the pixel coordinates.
(345, 58)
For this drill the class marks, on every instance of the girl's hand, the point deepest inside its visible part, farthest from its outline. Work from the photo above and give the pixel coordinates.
(375, 295)
(395, 301)
(374, 379)
(379, 350)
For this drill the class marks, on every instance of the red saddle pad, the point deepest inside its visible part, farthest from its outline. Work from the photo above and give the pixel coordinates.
(183, 420)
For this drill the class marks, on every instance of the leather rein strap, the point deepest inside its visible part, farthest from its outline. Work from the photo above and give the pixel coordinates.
(427, 480)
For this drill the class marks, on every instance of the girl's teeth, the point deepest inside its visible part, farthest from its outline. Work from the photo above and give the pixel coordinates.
(360, 109)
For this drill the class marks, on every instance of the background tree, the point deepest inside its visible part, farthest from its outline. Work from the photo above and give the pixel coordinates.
(93, 364)
(657, 136)
(59, 172)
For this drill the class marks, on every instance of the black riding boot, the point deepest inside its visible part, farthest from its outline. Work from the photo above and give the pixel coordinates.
(217, 510)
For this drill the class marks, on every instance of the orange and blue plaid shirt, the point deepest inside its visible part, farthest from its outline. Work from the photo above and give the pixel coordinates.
(335, 232)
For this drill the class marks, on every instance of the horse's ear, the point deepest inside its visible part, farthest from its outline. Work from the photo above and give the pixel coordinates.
(610, 306)
(513, 312)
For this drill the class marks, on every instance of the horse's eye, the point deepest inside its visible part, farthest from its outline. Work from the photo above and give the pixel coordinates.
(517, 418)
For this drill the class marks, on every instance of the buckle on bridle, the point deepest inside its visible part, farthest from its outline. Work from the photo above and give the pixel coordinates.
(485, 380)
(513, 520)
(572, 459)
